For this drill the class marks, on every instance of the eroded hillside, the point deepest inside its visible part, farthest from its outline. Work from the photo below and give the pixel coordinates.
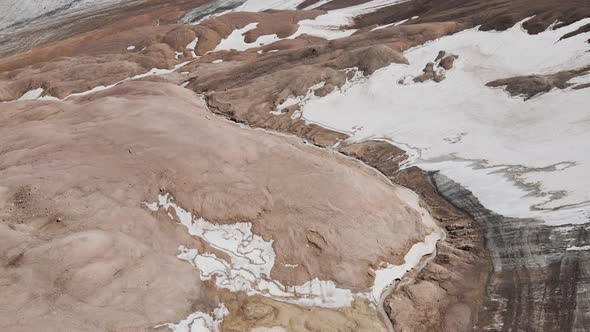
(291, 165)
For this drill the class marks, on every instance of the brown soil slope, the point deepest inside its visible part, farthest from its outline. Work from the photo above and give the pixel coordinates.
(75, 173)
(80, 251)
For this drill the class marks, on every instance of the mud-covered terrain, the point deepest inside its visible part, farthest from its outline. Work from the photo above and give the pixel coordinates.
(286, 165)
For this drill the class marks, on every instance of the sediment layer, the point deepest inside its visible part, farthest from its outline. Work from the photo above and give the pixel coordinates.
(539, 281)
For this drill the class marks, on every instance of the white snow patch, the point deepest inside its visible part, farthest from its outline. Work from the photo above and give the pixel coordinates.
(154, 71)
(260, 5)
(507, 146)
(292, 100)
(235, 40)
(329, 26)
(217, 61)
(192, 45)
(383, 26)
(388, 275)
(32, 94)
(48, 97)
(200, 321)
(252, 259)
(262, 51)
(268, 329)
(332, 25)
(131, 48)
(389, 25)
(152, 206)
(298, 100)
(582, 79)
(552, 25)
(317, 4)
(93, 90)
(278, 112)
(264, 40)
(575, 248)
(296, 115)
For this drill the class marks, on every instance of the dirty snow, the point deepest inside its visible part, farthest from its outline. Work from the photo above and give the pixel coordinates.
(334, 23)
(192, 45)
(251, 259)
(317, 4)
(32, 94)
(154, 71)
(389, 274)
(16, 13)
(200, 321)
(298, 100)
(575, 248)
(389, 25)
(582, 79)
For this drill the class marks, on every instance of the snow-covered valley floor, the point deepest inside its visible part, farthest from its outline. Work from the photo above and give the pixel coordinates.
(520, 158)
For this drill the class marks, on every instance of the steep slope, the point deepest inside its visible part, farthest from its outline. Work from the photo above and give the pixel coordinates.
(476, 106)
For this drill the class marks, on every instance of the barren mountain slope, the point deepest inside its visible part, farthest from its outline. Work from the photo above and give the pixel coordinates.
(120, 150)
(81, 247)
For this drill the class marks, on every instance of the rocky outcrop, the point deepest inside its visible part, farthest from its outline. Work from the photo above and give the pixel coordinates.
(249, 313)
(429, 73)
(539, 280)
(446, 294)
(533, 85)
(446, 61)
(436, 70)
(489, 15)
(582, 29)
